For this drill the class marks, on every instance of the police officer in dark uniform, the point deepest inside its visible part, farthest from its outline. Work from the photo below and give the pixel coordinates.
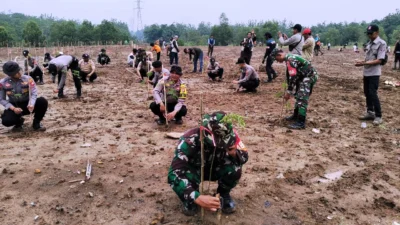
(22, 99)
(103, 58)
(271, 45)
(247, 48)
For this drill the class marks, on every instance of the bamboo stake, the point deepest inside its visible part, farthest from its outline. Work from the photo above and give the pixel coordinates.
(219, 212)
(202, 152)
(166, 106)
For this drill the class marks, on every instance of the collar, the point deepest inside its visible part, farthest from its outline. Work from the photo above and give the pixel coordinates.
(376, 41)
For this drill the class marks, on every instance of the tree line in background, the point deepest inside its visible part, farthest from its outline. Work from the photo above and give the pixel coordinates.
(18, 28)
(228, 34)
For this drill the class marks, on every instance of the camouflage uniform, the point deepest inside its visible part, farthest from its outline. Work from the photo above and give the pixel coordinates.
(185, 171)
(303, 77)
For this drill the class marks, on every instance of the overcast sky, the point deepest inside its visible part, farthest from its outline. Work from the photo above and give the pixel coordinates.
(305, 12)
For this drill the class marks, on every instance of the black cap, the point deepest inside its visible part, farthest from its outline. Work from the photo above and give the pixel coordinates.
(102, 50)
(268, 34)
(298, 27)
(240, 61)
(176, 70)
(25, 52)
(53, 69)
(11, 68)
(85, 56)
(157, 64)
(372, 28)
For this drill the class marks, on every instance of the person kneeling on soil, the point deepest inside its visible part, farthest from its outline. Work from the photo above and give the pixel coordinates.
(87, 69)
(36, 73)
(224, 155)
(22, 99)
(158, 73)
(132, 58)
(214, 70)
(144, 67)
(103, 58)
(59, 66)
(175, 91)
(249, 79)
(302, 78)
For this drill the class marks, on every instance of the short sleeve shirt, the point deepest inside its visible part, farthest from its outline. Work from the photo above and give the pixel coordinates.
(375, 50)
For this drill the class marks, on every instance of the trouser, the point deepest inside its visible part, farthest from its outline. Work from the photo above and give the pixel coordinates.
(227, 174)
(158, 56)
(303, 93)
(77, 82)
(251, 85)
(84, 75)
(104, 61)
(37, 74)
(143, 74)
(130, 64)
(269, 69)
(396, 60)
(210, 50)
(371, 85)
(10, 118)
(155, 108)
(246, 55)
(173, 56)
(195, 59)
(329, 48)
(219, 74)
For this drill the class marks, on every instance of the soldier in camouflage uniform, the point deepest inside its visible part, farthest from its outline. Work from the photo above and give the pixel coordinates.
(224, 155)
(302, 78)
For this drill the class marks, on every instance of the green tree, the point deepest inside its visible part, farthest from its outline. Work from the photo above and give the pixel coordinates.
(86, 32)
(332, 36)
(32, 33)
(64, 32)
(107, 32)
(4, 36)
(395, 35)
(222, 32)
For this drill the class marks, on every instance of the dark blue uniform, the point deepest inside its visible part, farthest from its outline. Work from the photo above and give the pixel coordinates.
(271, 45)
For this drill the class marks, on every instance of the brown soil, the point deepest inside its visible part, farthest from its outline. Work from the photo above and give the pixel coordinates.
(130, 155)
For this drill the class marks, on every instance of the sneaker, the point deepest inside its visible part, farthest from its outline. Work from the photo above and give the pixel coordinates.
(179, 122)
(378, 121)
(190, 210)
(291, 118)
(161, 122)
(367, 116)
(228, 205)
(297, 126)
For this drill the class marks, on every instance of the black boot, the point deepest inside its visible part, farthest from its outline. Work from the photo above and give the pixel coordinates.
(37, 126)
(228, 205)
(161, 121)
(190, 210)
(300, 124)
(19, 126)
(294, 116)
(79, 93)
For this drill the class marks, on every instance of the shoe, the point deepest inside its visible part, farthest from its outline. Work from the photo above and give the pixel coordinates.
(367, 116)
(268, 81)
(62, 96)
(179, 121)
(190, 210)
(291, 118)
(251, 90)
(220, 79)
(297, 126)
(41, 83)
(37, 126)
(378, 121)
(19, 127)
(274, 76)
(79, 93)
(194, 71)
(161, 122)
(228, 205)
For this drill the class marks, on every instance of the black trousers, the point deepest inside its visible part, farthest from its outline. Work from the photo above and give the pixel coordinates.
(396, 60)
(210, 50)
(246, 55)
(158, 56)
(10, 118)
(269, 69)
(251, 85)
(218, 74)
(155, 108)
(371, 85)
(173, 56)
(84, 75)
(37, 74)
(77, 82)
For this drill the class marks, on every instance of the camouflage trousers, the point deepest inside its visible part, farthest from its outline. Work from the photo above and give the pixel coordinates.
(227, 175)
(304, 92)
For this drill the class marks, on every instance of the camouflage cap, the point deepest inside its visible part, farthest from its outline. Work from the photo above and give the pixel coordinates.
(223, 132)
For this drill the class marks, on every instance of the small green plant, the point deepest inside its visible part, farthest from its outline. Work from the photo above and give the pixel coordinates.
(234, 119)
